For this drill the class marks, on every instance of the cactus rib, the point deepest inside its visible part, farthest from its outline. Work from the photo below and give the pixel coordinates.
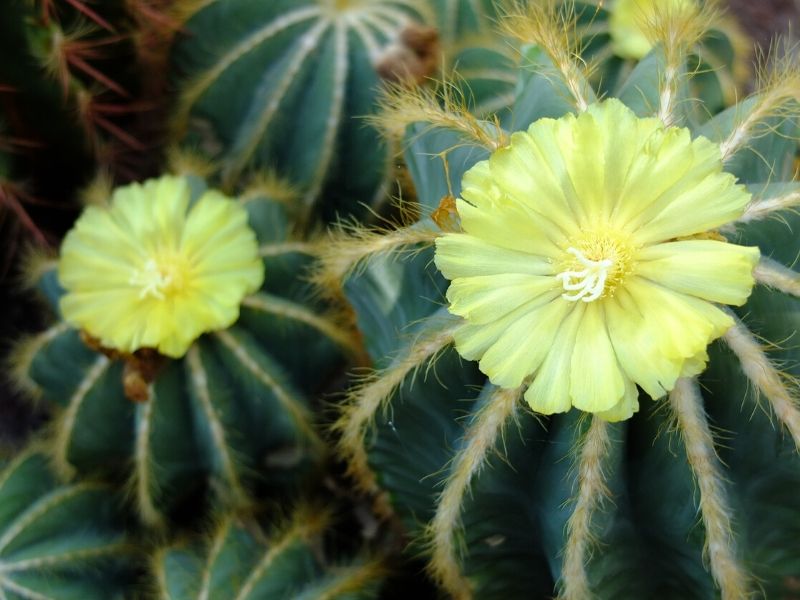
(199, 384)
(274, 305)
(591, 492)
(69, 418)
(691, 420)
(767, 379)
(772, 274)
(479, 440)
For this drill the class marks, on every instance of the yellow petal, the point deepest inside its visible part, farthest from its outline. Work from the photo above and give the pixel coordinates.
(681, 325)
(709, 204)
(520, 350)
(626, 407)
(596, 382)
(462, 255)
(708, 269)
(533, 176)
(506, 224)
(489, 297)
(636, 344)
(549, 392)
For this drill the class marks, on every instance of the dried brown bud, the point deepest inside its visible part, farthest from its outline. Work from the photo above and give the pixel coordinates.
(446, 215)
(413, 58)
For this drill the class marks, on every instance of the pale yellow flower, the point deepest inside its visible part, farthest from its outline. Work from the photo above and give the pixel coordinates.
(155, 270)
(585, 266)
(629, 21)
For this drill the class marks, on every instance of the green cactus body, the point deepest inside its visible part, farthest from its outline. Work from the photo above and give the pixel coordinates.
(238, 562)
(231, 413)
(461, 18)
(283, 85)
(718, 60)
(506, 504)
(60, 542)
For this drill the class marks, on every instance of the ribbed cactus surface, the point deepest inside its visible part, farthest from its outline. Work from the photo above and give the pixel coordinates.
(285, 86)
(60, 542)
(498, 496)
(238, 561)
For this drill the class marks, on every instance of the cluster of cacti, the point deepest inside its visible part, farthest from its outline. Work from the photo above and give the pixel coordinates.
(236, 559)
(575, 207)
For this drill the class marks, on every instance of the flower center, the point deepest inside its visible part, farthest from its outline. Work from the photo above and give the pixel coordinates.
(158, 279)
(598, 263)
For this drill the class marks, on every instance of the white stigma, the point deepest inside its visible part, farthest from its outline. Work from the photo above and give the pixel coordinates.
(587, 284)
(151, 280)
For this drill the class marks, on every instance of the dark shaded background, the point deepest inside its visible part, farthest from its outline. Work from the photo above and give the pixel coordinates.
(20, 315)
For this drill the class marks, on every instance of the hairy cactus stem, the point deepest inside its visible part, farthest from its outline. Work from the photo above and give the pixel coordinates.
(288, 401)
(552, 26)
(479, 439)
(21, 358)
(199, 382)
(64, 426)
(677, 31)
(773, 274)
(349, 580)
(692, 424)
(305, 526)
(761, 209)
(345, 252)
(442, 107)
(778, 90)
(140, 484)
(592, 490)
(364, 402)
(768, 380)
(268, 303)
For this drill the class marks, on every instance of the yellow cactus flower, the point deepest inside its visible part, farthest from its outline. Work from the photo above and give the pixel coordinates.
(154, 270)
(588, 262)
(629, 21)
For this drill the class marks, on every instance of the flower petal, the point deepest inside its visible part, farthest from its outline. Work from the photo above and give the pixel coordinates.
(532, 171)
(627, 405)
(681, 325)
(636, 344)
(473, 340)
(596, 382)
(549, 392)
(462, 255)
(712, 270)
(489, 297)
(520, 350)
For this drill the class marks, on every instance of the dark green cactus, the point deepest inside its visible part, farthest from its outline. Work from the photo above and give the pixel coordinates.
(718, 58)
(234, 412)
(60, 542)
(507, 504)
(283, 87)
(238, 561)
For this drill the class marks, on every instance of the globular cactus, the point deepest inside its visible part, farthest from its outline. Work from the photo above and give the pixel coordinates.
(237, 560)
(690, 496)
(229, 410)
(61, 542)
(616, 35)
(284, 86)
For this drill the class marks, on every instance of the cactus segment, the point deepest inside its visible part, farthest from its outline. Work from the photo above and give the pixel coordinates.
(60, 542)
(232, 414)
(525, 512)
(300, 115)
(237, 562)
(459, 19)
